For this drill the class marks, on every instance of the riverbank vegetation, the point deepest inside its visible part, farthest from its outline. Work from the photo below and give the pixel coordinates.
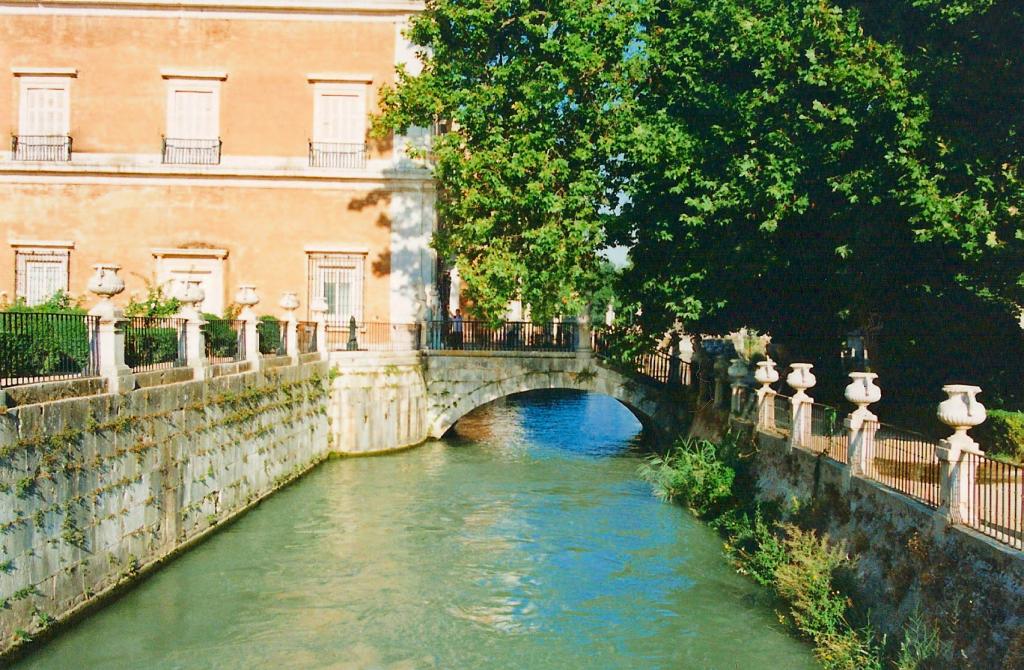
(776, 545)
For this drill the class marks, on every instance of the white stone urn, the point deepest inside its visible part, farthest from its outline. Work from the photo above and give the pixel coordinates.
(800, 377)
(862, 390)
(193, 293)
(105, 282)
(289, 301)
(961, 411)
(766, 374)
(246, 295)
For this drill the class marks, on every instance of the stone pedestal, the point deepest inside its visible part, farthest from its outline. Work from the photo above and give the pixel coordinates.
(737, 383)
(318, 307)
(584, 348)
(247, 298)
(109, 337)
(766, 375)
(195, 339)
(861, 424)
(800, 379)
(289, 303)
(959, 454)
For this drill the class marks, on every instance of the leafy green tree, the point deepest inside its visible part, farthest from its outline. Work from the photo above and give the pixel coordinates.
(535, 95)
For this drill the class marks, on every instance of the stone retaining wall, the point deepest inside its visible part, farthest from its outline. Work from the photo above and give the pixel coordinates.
(907, 559)
(378, 401)
(93, 489)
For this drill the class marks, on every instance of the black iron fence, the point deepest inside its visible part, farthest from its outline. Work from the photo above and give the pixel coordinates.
(372, 336)
(41, 147)
(306, 335)
(508, 336)
(182, 151)
(829, 435)
(152, 343)
(907, 462)
(273, 336)
(38, 347)
(337, 155)
(225, 340)
(995, 505)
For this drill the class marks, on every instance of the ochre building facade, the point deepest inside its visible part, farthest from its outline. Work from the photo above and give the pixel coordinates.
(213, 142)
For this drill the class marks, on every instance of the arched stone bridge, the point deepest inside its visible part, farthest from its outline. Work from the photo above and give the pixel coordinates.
(457, 382)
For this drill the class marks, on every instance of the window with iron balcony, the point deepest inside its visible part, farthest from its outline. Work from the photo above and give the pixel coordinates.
(44, 115)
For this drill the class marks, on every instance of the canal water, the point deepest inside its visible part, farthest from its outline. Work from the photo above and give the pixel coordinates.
(524, 541)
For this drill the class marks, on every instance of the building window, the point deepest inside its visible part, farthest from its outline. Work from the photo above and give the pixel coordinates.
(338, 279)
(44, 115)
(41, 270)
(176, 267)
(339, 123)
(193, 120)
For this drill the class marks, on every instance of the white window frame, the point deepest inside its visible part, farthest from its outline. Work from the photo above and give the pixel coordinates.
(355, 262)
(201, 83)
(27, 252)
(54, 78)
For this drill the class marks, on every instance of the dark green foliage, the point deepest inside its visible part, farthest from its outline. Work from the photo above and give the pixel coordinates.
(221, 338)
(151, 345)
(692, 474)
(269, 329)
(1002, 434)
(43, 346)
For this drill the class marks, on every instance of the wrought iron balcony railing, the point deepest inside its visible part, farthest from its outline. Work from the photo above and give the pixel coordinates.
(337, 155)
(182, 151)
(41, 147)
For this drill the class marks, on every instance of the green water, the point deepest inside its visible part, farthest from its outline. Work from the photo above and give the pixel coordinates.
(526, 541)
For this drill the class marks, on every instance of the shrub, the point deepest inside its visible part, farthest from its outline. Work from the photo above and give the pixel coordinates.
(221, 338)
(805, 579)
(151, 345)
(269, 329)
(31, 346)
(756, 549)
(155, 304)
(850, 649)
(693, 474)
(1002, 434)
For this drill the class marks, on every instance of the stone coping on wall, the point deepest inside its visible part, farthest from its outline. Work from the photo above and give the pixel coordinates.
(30, 394)
(165, 376)
(273, 361)
(374, 359)
(484, 353)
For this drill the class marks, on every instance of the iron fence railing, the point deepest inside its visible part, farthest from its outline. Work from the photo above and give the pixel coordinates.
(152, 343)
(783, 413)
(306, 335)
(664, 367)
(273, 336)
(225, 340)
(372, 336)
(907, 462)
(995, 505)
(828, 433)
(337, 155)
(184, 151)
(38, 346)
(41, 147)
(507, 336)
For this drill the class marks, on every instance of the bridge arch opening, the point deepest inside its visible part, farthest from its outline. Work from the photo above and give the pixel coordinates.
(586, 422)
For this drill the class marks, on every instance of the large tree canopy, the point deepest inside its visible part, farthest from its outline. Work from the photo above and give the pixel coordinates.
(801, 166)
(532, 92)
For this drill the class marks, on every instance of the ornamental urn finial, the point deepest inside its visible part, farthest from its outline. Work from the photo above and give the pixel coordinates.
(105, 283)
(766, 374)
(246, 295)
(961, 411)
(192, 294)
(289, 301)
(800, 377)
(862, 390)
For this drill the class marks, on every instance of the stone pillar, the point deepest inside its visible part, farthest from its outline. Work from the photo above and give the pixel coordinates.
(110, 335)
(318, 307)
(737, 383)
(195, 340)
(609, 315)
(583, 347)
(289, 303)
(766, 375)
(862, 424)
(247, 298)
(958, 454)
(721, 369)
(800, 379)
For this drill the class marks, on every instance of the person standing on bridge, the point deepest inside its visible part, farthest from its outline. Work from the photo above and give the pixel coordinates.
(457, 329)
